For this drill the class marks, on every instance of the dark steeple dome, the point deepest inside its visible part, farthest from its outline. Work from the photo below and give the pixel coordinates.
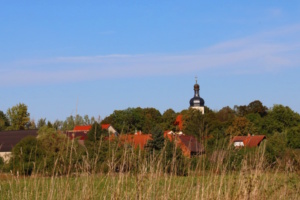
(196, 101)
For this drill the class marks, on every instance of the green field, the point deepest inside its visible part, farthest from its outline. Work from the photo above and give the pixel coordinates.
(238, 185)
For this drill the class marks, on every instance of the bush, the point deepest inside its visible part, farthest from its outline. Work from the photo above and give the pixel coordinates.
(60, 154)
(275, 148)
(27, 156)
(293, 138)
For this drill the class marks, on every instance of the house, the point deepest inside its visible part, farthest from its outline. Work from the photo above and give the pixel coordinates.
(137, 140)
(110, 129)
(80, 132)
(187, 143)
(83, 129)
(247, 141)
(8, 139)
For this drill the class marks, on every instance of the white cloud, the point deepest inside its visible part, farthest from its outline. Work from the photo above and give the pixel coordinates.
(260, 53)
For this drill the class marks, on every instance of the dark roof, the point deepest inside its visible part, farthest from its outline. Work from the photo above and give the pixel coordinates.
(8, 139)
(196, 101)
(191, 143)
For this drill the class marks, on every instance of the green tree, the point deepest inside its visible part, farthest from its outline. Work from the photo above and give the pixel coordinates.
(3, 121)
(293, 138)
(27, 156)
(152, 117)
(58, 124)
(52, 141)
(226, 114)
(96, 133)
(157, 142)
(285, 116)
(241, 110)
(131, 119)
(57, 148)
(32, 124)
(276, 147)
(49, 124)
(87, 120)
(18, 116)
(257, 107)
(193, 123)
(41, 123)
(240, 126)
(279, 119)
(168, 119)
(69, 123)
(97, 147)
(79, 120)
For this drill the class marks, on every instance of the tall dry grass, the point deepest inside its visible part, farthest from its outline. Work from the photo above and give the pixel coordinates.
(136, 175)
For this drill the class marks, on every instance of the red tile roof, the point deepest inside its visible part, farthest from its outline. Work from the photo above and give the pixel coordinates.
(249, 141)
(136, 140)
(82, 128)
(81, 131)
(105, 126)
(254, 141)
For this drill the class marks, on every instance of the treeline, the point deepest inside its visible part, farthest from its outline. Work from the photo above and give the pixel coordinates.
(215, 126)
(212, 127)
(18, 118)
(214, 130)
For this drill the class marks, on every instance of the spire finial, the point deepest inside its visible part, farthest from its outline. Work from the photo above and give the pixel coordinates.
(196, 78)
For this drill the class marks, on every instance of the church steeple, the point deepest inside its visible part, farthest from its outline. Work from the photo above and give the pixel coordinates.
(197, 102)
(196, 89)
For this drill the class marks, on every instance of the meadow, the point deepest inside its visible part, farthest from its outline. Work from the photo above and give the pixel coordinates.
(153, 186)
(154, 179)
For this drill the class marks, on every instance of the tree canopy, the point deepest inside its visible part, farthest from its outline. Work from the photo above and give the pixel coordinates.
(3, 121)
(132, 119)
(18, 116)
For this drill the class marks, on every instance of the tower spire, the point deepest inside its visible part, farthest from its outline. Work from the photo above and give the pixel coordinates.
(197, 102)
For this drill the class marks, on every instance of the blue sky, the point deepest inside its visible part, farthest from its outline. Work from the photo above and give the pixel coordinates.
(103, 56)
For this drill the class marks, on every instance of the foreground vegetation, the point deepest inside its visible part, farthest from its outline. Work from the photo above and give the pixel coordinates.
(126, 173)
(238, 185)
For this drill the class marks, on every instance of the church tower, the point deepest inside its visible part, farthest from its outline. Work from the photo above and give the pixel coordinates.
(197, 102)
